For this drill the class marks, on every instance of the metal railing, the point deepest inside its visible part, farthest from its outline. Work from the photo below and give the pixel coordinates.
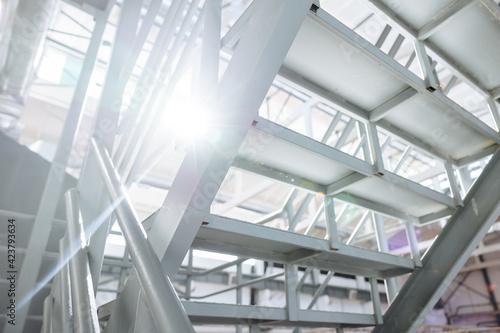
(72, 298)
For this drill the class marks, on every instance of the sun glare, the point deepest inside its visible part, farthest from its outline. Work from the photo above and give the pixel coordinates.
(185, 120)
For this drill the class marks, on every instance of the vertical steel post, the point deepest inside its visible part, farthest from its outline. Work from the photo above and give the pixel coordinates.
(452, 179)
(413, 244)
(383, 246)
(331, 223)
(292, 295)
(375, 148)
(239, 291)
(377, 311)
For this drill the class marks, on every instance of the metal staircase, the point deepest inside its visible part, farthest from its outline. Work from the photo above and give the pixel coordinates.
(368, 98)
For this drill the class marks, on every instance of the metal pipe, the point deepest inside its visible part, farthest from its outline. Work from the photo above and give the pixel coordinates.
(264, 278)
(163, 301)
(47, 315)
(65, 285)
(82, 290)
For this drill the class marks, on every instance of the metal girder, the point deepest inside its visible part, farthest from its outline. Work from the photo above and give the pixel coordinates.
(232, 236)
(281, 176)
(477, 156)
(286, 137)
(399, 71)
(229, 314)
(344, 183)
(458, 239)
(412, 141)
(294, 138)
(387, 15)
(376, 207)
(381, 111)
(53, 186)
(234, 103)
(330, 98)
(442, 17)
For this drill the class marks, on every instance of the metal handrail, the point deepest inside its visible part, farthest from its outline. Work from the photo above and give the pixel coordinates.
(82, 291)
(163, 301)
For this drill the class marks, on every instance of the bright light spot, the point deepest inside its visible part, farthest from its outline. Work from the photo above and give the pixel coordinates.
(186, 120)
(51, 68)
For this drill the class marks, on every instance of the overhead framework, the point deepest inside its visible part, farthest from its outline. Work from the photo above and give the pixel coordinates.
(368, 97)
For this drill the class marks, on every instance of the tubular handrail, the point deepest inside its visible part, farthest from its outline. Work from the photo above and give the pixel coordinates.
(82, 291)
(163, 301)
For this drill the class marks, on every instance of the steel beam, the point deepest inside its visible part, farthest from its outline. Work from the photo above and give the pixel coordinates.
(404, 74)
(382, 10)
(412, 141)
(458, 239)
(443, 17)
(344, 183)
(234, 103)
(376, 207)
(228, 314)
(384, 109)
(295, 81)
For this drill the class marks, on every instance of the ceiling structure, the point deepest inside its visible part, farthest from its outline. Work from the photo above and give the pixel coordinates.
(275, 147)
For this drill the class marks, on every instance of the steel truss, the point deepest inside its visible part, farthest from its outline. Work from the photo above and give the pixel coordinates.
(270, 40)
